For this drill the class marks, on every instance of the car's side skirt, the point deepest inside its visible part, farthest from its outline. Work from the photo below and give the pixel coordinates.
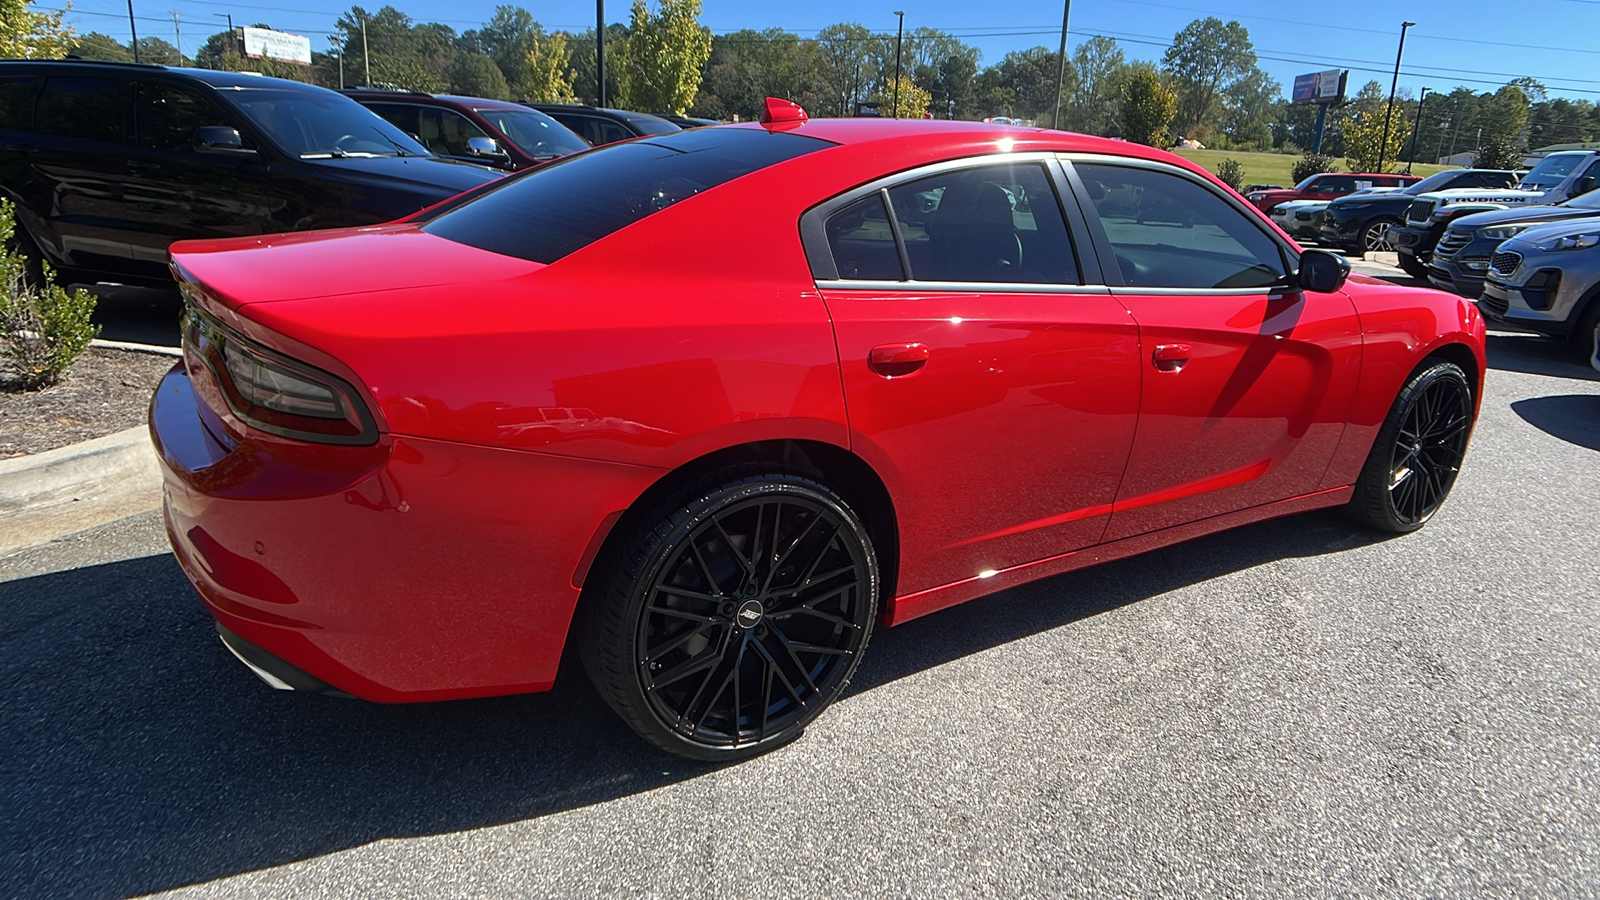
(911, 606)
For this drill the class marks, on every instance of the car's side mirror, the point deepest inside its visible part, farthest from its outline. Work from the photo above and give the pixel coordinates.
(219, 139)
(486, 146)
(1322, 272)
(1584, 185)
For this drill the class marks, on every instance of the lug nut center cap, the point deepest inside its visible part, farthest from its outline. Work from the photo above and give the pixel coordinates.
(750, 614)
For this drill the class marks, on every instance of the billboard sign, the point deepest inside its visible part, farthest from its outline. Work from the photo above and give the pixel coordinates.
(262, 43)
(1319, 87)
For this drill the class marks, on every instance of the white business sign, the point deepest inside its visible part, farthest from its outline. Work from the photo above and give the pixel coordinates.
(261, 43)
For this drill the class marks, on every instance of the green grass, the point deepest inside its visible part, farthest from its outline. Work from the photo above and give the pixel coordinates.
(1273, 168)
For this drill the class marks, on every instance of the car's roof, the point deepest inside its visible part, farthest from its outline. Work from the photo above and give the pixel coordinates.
(421, 97)
(213, 77)
(941, 132)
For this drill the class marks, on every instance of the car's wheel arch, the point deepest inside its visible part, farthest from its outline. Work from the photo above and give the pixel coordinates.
(844, 472)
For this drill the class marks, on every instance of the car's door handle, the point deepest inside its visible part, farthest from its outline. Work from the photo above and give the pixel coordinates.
(1171, 357)
(896, 360)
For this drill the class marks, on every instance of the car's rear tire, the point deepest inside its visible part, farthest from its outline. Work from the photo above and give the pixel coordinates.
(1414, 267)
(1375, 235)
(733, 613)
(1418, 452)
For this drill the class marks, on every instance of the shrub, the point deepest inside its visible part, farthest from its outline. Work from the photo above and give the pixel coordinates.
(1231, 173)
(1498, 152)
(1311, 164)
(43, 329)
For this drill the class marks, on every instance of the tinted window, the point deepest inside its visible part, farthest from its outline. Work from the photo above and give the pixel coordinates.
(15, 93)
(167, 116)
(401, 115)
(862, 242)
(1551, 171)
(1168, 231)
(1338, 184)
(90, 109)
(556, 209)
(536, 133)
(990, 224)
(652, 125)
(316, 122)
(446, 131)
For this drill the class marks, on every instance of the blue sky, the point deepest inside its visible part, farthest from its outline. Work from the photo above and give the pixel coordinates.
(1552, 40)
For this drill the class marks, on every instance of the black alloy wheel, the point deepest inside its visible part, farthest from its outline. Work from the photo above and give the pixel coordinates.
(1418, 453)
(737, 616)
(1375, 235)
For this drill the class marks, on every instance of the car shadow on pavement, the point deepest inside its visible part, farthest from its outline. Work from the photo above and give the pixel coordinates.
(1533, 354)
(1574, 418)
(139, 756)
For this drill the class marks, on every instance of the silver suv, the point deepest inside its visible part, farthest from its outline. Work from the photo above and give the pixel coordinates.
(1547, 279)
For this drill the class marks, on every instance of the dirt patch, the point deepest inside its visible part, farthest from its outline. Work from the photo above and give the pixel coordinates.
(105, 392)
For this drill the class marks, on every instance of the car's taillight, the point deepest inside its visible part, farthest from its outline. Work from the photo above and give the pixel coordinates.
(275, 393)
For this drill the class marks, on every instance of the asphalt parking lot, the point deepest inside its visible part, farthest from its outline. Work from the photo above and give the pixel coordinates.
(1295, 708)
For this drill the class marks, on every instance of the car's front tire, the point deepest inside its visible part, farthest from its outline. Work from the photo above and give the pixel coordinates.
(1417, 455)
(733, 613)
(1414, 267)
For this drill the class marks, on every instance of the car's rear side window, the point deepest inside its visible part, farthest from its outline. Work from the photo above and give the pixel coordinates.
(91, 109)
(556, 209)
(15, 93)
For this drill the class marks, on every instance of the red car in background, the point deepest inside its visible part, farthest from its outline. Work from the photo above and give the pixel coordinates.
(1328, 186)
(897, 365)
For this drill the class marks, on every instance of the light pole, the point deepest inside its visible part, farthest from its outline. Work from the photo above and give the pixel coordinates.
(135, 29)
(366, 58)
(600, 47)
(1412, 156)
(1061, 64)
(1393, 85)
(231, 36)
(898, 38)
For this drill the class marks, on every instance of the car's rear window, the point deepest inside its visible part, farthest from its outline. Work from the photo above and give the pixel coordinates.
(556, 209)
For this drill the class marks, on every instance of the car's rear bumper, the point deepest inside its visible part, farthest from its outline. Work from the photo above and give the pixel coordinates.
(413, 569)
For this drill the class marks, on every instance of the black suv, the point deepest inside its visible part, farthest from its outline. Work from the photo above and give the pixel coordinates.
(109, 163)
(495, 133)
(1360, 223)
(598, 125)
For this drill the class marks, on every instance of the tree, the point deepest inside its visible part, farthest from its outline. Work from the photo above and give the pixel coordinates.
(507, 38)
(1100, 68)
(845, 51)
(26, 34)
(476, 75)
(548, 72)
(1499, 151)
(1248, 108)
(913, 100)
(157, 51)
(1147, 106)
(1206, 58)
(1029, 78)
(659, 66)
(1310, 164)
(1364, 141)
(1231, 173)
(95, 45)
(1505, 114)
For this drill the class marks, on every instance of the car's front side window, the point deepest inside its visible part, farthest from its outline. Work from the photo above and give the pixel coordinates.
(1170, 231)
(167, 116)
(15, 92)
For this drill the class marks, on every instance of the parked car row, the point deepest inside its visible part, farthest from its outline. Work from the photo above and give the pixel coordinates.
(1529, 255)
(109, 163)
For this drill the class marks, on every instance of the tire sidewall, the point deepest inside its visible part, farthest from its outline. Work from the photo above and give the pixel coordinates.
(1373, 501)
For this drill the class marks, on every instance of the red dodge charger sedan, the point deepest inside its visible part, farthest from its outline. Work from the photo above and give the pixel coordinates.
(710, 406)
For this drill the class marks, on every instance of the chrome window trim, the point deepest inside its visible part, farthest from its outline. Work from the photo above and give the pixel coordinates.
(1207, 292)
(813, 222)
(964, 287)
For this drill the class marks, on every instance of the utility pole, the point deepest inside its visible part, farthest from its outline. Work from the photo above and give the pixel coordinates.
(366, 58)
(337, 40)
(1393, 85)
(177, 34)
(600, 48)
(1061, 64)
(135, 29)
(1415, 126)
(898, 38)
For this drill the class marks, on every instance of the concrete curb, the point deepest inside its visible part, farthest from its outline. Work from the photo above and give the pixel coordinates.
(46, 495)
